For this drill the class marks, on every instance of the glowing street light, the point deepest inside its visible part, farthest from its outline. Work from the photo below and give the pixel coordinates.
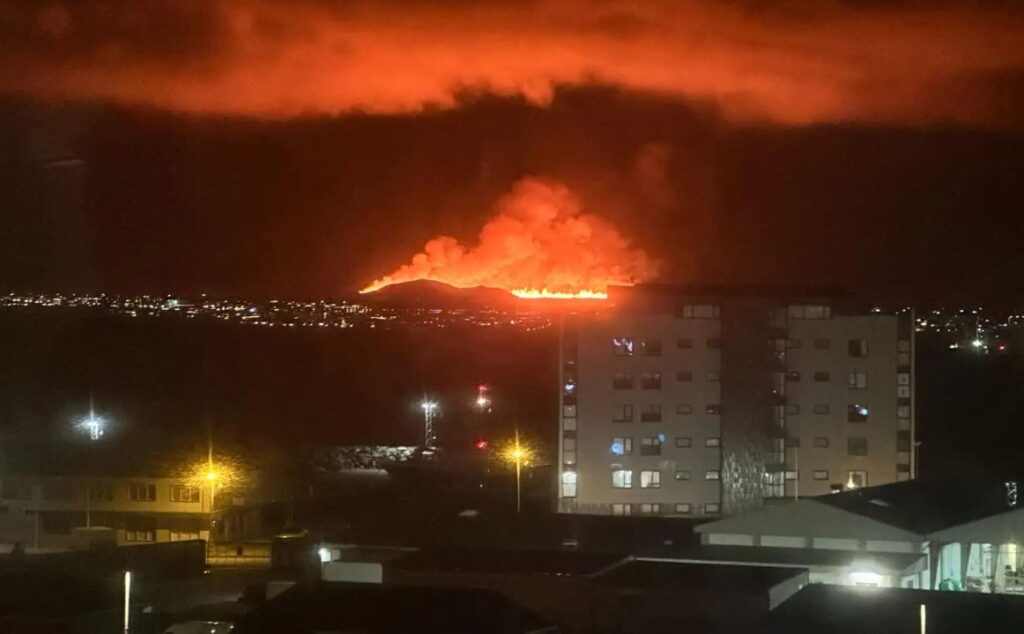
(94, 426)
(429, 407)
(518, 454)
(481, 397)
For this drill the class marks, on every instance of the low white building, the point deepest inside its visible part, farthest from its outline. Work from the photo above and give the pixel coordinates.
(911, 534)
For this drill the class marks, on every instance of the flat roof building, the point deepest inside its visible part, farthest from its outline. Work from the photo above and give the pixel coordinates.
(707, 400)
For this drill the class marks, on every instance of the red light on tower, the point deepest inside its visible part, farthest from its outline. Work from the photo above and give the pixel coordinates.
(480, 444)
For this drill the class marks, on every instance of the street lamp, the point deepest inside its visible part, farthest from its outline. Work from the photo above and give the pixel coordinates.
(429, 407)
(517, 454)
(95, 426)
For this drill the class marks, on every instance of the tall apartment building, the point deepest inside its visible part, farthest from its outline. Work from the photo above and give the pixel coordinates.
(713, 400)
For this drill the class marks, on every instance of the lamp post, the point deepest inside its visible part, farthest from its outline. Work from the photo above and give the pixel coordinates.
(517, 454)
(94, 426)
(429, 407)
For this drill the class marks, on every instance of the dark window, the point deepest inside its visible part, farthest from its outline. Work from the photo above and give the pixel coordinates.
(650, 414)
(622, 381)
(57, 522)
(858, 347)
(822, 377)
(792, 376)
(821, 408)
(650, 381)
(822, 344)
(684, 409)
(101, 491)
(622, 413)
(650, 446)
(684, 375)
(902, 468)
(793, 442)
(684, 343)
(714, 343)
(821, 442)
(140, 528)
(58, 490)
(856, 446)
(857, 413)
(650, 348)
(16, 490)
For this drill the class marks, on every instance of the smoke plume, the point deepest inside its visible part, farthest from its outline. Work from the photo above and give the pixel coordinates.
(540, 240)
(791, 62)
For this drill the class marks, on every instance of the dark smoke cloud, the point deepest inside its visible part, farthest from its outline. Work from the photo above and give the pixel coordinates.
(794, 63)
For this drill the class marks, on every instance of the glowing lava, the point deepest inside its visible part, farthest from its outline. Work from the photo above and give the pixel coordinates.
(543, 293)
(539, 245)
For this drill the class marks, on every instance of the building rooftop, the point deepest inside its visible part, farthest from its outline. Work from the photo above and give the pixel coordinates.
(696, 576)
(828, 609)
(509, 562)
(795, 557)
(922, 506)
(375, 608)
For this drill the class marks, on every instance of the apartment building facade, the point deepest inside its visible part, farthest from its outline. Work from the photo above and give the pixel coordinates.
(49, 513)
(703, 401)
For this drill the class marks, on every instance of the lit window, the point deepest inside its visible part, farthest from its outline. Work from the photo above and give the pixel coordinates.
(857, 413)
(650, 380)
(569, 411)
(684, 442)
(650, 413)
(650, 479)
(683, 508)
(856, 479)
(903, 411)
(622, 445)
(712, 475)
(622, 381)
(182, 493)
(622, 347)
(650, 508)
(857, 347)
(712, 508)
(712, 441)
(650, 446)
(858, 381)
(684, 409)
(622, 479)
(820, 474)
(622, 413)
(650, 348)
(792, 475)
(682, 476)
(622, 509)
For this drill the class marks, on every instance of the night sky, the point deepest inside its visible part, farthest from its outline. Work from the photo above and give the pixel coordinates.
(305, 149)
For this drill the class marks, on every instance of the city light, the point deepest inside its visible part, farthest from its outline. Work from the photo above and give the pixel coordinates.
(93, 425)
(519, 454)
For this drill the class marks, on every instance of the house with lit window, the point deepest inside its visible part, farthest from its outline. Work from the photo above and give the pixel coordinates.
(709, 401)
(58, 513)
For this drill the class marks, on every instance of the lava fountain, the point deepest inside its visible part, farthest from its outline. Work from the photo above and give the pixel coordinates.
(539, 245)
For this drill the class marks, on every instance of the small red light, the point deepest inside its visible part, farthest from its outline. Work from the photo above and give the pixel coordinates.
(481, 444)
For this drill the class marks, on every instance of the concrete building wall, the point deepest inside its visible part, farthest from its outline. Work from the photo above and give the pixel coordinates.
(42, 512)
(829, 382)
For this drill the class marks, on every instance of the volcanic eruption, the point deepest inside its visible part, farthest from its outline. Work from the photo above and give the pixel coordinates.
(540, 244)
